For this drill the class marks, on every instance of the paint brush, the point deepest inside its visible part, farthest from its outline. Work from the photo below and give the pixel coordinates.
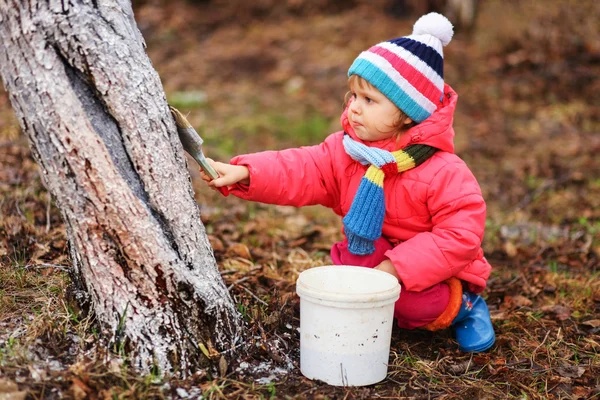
(192, 143)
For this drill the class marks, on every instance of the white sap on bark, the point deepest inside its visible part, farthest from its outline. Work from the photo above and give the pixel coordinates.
(93, 107)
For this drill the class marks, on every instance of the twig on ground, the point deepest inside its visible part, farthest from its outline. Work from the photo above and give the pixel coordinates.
(19, 210)
(532, 358)
(45, 265)
(469, 363)
(255, 296)
(245, 278)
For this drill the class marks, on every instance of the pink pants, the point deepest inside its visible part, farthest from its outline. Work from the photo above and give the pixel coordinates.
(413, 309)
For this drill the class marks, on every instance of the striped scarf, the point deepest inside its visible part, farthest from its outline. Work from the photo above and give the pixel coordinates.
(364, 221)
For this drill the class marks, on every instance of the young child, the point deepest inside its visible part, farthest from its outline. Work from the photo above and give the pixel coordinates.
(411, 207)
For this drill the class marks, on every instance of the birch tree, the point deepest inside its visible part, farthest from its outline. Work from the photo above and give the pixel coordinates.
(95, 113)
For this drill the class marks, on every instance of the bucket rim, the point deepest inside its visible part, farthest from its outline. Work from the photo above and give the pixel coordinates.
(377, 297)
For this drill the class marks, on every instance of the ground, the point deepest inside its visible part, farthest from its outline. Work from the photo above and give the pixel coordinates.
(272, 75)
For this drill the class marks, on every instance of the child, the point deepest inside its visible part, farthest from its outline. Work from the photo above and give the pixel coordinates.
(411, 207)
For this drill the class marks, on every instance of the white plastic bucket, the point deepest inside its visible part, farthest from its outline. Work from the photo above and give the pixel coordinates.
(346, 316)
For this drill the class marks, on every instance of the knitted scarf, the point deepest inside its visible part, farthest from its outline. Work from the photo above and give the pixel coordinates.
(364, 221)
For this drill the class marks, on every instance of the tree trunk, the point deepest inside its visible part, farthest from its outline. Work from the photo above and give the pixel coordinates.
(86, 95)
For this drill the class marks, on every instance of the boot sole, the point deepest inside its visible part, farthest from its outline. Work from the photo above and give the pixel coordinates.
(480, 348)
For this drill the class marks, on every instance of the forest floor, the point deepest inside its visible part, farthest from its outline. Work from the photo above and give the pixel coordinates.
(272, 75)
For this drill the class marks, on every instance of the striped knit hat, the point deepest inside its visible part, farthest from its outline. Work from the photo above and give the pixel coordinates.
(409, 70)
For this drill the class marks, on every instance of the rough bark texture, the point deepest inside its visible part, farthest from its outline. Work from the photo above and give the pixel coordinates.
(93, 107)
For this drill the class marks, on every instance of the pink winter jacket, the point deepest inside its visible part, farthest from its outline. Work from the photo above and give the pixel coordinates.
(435, 213)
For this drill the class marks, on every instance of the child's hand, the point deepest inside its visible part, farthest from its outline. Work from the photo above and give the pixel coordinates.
(228, 174)
(387, 266)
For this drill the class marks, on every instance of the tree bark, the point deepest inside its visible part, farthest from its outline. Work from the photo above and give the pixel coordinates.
(94, 110)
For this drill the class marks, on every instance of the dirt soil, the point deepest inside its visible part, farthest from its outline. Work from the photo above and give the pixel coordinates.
(270, 75)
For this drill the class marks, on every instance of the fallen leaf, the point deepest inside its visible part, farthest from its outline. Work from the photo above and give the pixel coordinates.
(582, 393)
(58, 244)
(458, 368)
(239, 250)
(561, 312)
(10, 391)
(570, 371)
(594, 323)
(507, 303)
(13, 396)
(250, 227)
(498, 315)
(512, 302)
(223, 366)
(208, 350)
(79, 389)
(521, 301)
(204, 350)
(7, 386)
(216, 243)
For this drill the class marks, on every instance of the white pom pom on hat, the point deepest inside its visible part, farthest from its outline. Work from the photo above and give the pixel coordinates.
(436, 25)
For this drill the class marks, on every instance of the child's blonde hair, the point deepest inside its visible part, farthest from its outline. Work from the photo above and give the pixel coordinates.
(398, 125)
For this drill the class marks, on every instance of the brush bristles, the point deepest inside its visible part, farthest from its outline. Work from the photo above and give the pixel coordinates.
(180, 120)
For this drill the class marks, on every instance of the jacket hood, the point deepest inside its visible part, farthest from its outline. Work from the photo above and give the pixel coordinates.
(436, 131)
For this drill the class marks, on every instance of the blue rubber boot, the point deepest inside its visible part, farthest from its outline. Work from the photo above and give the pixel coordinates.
(473, 326)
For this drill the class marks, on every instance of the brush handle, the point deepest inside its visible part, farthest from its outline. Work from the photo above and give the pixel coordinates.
(209, 170)
(192, 143)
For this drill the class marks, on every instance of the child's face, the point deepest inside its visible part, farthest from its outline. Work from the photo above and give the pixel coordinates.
(371, 114)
